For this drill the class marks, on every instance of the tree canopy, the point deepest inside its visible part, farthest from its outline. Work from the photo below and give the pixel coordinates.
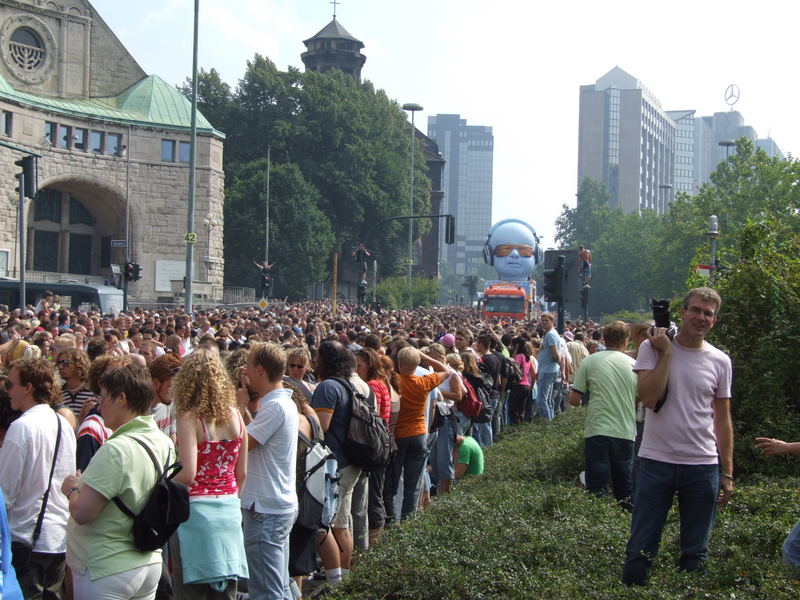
(641, 256)
(340, 163)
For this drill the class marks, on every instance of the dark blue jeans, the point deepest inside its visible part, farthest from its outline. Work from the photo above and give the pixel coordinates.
(697, 487)
(409, 461)
(609, 457)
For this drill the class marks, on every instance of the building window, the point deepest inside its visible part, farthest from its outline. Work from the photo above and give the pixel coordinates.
(51, 132)
(78, 215)
(168, 150)
(4, 262)
(185, 152)
(7, 121)
(64, 136)
(97, 141)
(26, 49)
(79, 141)
(47, 206)
(115, 144)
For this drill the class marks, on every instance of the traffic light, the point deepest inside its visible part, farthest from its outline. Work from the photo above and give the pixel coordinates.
(362, 291)
(129, 271)
(28, 165)
(449, 229)
(554, 283)
(136, 272)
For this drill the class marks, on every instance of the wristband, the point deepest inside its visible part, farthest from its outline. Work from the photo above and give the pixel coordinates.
(71, 490)
(726, 476)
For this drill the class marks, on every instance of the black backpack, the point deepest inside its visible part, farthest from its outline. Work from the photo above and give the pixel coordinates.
(483, 390)
(166, 508)
(368, 445)
(511, 372)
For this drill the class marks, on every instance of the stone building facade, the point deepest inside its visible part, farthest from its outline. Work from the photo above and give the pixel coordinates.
(115, 149)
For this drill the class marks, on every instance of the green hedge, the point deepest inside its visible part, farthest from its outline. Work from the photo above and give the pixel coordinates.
(527, 530)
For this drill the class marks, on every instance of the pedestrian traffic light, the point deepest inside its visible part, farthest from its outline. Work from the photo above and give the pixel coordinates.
(28, 165)
(449, 229)
(137, 272)
(129, 271)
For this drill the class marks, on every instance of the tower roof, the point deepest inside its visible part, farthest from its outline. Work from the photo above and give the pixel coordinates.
(334, 30)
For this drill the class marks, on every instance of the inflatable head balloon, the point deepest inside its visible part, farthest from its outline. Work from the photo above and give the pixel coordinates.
(512, 248)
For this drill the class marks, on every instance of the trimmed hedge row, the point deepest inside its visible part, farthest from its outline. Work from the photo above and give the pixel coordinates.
(527, 530)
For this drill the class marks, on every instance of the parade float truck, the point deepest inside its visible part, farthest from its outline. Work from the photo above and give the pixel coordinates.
(508, 300)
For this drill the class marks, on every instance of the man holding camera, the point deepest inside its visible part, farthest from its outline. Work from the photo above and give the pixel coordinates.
(687, 447)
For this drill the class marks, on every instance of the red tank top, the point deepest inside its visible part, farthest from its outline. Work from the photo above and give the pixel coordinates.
(216, 465)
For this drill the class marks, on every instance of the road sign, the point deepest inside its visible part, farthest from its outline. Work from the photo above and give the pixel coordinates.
(190, 238)
(118, 243)
(263, 304)
(703, 270)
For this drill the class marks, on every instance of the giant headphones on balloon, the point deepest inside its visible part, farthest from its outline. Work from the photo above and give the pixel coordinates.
(488, 251)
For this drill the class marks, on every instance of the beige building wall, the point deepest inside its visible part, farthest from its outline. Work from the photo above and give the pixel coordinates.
(84, 58)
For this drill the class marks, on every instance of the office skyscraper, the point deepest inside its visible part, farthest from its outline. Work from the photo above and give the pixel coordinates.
(644, 154)
(468, 151)
(626, 141)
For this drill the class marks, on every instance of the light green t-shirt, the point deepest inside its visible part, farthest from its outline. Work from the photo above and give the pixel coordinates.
(470, 454)
(121, 467)
(609, 378)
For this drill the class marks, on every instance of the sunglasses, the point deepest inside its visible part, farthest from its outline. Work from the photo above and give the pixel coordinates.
(506, 249)
(62, 363)
(291, 366)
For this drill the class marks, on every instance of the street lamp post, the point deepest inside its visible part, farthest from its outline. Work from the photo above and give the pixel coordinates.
(713, 234)
(412, 108)
(727, 144)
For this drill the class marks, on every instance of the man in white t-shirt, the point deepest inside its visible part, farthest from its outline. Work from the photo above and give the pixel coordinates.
(687, 447)
(26, 466)
(269, 499)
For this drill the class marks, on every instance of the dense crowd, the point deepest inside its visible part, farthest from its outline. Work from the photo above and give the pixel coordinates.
(241, 397)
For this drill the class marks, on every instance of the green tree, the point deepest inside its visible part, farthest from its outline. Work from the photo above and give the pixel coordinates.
(394, 293)
(759, 326)
(301, 238)
(214, 99)
(584, 224)
(352, 143)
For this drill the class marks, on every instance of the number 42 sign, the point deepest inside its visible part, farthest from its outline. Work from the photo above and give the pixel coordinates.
(190, 238)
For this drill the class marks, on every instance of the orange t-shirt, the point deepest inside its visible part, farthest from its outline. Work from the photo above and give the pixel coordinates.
(413, 391)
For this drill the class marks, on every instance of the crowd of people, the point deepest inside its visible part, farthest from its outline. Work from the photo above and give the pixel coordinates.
(238, 396)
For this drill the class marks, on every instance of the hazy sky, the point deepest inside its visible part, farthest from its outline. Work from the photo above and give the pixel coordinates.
(515, 65)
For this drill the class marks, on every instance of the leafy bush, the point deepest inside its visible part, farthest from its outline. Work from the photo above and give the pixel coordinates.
(526, 530)
(395, 293)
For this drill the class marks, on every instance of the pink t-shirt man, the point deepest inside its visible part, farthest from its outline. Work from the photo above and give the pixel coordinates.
(682, 432)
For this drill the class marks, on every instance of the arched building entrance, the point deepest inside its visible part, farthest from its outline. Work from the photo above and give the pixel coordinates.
(70, 227)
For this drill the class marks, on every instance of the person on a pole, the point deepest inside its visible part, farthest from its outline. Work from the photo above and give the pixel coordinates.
(585, 264)
(361, 254)
(265, 276)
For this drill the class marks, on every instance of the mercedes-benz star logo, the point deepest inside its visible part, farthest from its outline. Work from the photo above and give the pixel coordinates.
(732, 94)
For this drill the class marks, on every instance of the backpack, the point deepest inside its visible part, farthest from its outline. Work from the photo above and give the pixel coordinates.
(470, 405)
(483, 391)
(368, 445)
(511, 372)
(317, 491)
(165, 509)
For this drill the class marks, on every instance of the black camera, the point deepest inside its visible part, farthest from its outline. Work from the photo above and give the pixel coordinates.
(660, 310)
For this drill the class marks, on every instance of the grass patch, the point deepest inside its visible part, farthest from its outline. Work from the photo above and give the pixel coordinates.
(526, 530)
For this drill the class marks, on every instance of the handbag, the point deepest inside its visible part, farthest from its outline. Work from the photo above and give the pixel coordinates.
(21, 551)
